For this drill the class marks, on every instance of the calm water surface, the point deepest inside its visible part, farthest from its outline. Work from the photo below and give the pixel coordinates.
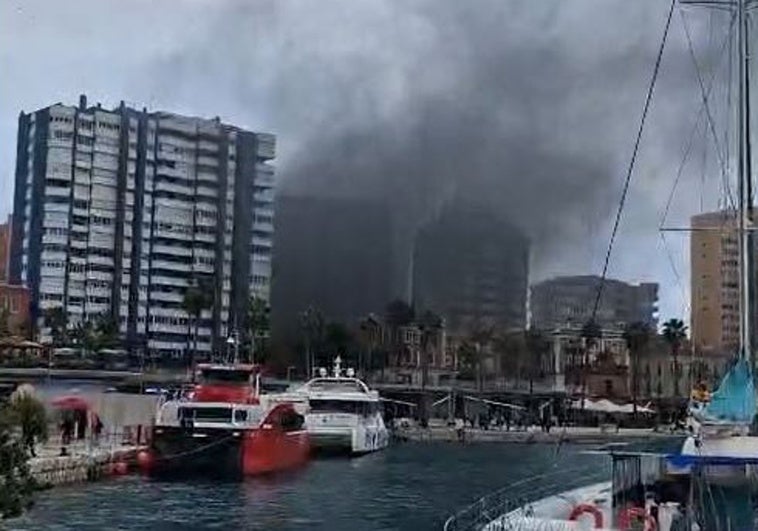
(412, 486)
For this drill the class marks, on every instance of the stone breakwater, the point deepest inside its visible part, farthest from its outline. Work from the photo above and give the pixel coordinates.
(52, 470)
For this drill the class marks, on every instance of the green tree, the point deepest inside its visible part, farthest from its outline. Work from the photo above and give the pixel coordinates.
(637, 336)
(17, 485)
(56, 320)
(28, 413)
(83, 336)
(105, 333)
(197, 297)
(338, 340)
(675, 332)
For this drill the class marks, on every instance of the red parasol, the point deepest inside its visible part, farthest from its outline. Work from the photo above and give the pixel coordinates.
(71, 403)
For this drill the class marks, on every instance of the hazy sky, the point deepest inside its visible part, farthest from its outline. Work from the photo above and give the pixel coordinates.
(530, 106)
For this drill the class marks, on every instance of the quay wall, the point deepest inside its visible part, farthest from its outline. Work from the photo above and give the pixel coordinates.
(55, 470)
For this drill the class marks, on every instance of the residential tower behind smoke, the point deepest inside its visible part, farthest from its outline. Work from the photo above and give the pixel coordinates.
(566, 302)
(332, 254)
(117, 212)
(472, 268)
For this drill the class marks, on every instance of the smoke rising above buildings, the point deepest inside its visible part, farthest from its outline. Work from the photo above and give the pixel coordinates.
(529, 107)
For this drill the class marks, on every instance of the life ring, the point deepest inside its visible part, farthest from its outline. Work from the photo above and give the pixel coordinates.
(625, 518)
(587, 508)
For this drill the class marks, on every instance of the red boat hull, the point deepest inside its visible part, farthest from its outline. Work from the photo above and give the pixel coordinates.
(225, 453)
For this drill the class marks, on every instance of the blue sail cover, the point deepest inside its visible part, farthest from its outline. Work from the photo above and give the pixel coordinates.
(734, 400)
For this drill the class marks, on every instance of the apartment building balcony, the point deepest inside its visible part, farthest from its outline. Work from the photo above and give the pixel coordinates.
(55, 238)
(57, 191)
(163, 280)
(207, 191)
(99, 275)
(266, 145)
(100, 260)
(163, 186)
(205, 160)
(173, 250)
(167, 265)
(177, 297)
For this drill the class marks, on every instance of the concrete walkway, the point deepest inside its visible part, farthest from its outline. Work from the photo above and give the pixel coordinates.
(576, 434)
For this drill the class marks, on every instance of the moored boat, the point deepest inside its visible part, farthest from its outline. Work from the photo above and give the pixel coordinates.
(225, 439)
(344, 416)
(224, 430)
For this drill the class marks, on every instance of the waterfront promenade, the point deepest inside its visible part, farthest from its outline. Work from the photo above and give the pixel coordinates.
(572, 434)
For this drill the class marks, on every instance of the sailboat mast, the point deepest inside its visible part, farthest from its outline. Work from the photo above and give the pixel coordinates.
(744, 188)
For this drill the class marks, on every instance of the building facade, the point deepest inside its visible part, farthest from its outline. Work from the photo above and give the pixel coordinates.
(6, 230)
(472, 268)
(715, 280)
(570, 301)
(118, 211)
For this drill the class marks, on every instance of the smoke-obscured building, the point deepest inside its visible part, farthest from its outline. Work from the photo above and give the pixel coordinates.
(117, 211)
(569, 301)
(472, 268)
(335, 255)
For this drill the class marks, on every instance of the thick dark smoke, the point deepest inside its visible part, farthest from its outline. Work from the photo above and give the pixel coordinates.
(530, 106)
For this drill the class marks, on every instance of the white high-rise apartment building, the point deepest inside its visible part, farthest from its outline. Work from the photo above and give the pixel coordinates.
(117, 212)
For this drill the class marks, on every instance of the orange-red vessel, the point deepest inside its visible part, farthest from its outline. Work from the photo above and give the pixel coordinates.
(224, 429)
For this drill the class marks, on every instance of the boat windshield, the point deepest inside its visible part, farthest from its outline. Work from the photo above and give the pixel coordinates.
(210, 376)
(353, 407)
(220, 414)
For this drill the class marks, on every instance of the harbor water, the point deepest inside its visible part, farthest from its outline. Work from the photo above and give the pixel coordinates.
(411, 486)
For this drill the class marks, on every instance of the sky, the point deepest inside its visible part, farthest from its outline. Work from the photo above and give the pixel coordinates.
(528, 107)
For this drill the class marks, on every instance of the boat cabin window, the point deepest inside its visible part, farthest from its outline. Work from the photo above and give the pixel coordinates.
(206, 414)
(188, 415)
(210, 376)
(343, 406)
(292, 421)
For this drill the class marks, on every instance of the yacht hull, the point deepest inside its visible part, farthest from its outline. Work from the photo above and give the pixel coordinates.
(347, 441)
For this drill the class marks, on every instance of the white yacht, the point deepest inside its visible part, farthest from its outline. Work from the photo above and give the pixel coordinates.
(343, 414)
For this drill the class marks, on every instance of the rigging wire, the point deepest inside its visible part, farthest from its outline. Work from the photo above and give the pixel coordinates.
(635, 150)
(704, 96)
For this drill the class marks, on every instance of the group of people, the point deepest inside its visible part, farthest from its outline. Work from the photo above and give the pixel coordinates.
(73, 426)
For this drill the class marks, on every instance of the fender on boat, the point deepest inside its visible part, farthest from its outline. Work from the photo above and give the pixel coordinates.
(587, 508)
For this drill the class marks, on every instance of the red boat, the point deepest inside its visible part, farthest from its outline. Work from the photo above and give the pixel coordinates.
(223, 430)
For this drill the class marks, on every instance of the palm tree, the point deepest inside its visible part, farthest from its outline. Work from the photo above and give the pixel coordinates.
(197, 297)
(56, 320)
(591, 333)
(637, 336)
(481, 338)
(537, 348)
(675, 332)
(105, 332)
(312, 323)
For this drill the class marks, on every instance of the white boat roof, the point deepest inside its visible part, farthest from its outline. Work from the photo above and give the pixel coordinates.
(337, 388)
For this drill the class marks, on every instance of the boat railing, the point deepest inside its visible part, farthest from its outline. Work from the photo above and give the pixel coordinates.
(511, 508)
